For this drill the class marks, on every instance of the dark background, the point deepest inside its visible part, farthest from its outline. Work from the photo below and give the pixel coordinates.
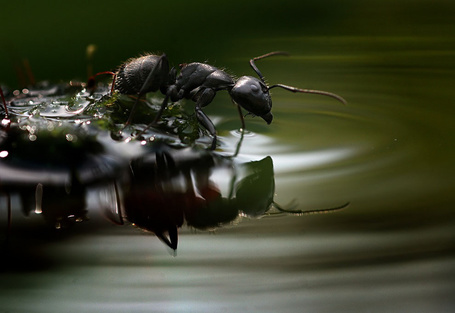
(53, 35)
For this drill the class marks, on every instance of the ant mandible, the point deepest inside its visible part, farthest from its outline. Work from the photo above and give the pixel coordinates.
(199, 82)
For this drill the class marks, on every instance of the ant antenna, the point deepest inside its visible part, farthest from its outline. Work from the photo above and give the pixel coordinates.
(318, 92)
(290, 88)
(308, 212)
(262, 57)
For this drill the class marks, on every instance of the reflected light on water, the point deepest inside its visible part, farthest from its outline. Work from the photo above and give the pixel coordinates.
(291, 163)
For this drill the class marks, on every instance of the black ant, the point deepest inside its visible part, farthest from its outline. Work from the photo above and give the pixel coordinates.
(200, 83)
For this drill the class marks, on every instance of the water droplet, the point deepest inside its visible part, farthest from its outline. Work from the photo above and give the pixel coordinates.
(5, 122)
(38, 198)
(69, 137)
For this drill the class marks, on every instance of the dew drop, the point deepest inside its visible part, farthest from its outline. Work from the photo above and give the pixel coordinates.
(69, 137)
(38, 198)
(5, 122)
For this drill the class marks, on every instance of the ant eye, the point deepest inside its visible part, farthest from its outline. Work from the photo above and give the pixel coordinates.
(254, 88)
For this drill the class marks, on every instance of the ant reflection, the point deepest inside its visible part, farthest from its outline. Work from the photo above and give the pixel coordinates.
(158, 190)
(169, 186)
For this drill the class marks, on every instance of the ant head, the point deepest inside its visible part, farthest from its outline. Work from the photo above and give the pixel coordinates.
(253, 95)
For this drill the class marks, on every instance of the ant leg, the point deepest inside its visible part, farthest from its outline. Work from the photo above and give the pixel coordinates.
(160, 64)
(208, 124)
(172, 241)
(242, 120)
(173, 236)
(204, 99)
(160, 112)
(115, 216)
(133, 110)
(119, 203)
(242, 130)
(157, 117)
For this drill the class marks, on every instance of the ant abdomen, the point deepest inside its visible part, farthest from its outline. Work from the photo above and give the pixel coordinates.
(148, 73)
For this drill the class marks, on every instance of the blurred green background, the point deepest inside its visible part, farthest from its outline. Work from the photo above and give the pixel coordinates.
(53, 35)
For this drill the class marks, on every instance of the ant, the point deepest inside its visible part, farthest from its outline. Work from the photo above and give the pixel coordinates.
(199, 82)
